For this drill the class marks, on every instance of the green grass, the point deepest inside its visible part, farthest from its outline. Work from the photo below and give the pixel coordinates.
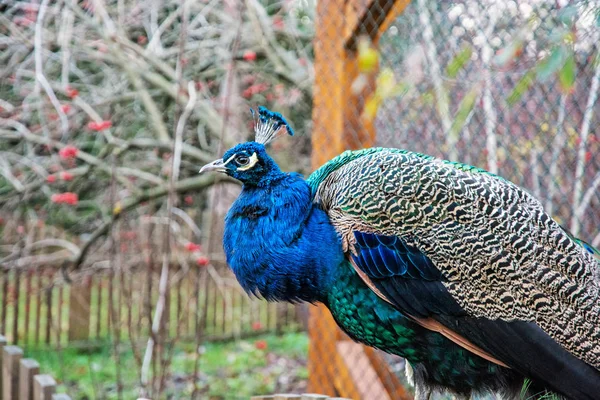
(231, 370)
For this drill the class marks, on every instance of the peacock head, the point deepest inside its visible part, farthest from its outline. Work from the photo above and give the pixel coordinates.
(249, 162)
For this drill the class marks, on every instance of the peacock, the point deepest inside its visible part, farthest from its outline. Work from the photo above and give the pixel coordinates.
(457, 270)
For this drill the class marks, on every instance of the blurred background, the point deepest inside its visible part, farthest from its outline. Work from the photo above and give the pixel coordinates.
(112, 271)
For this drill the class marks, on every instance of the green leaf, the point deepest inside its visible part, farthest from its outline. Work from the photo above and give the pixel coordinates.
(568, 14)
(464, 109)
(551, 64)
(459, 61)
(520, 88)
(567, 74)
(507, 54)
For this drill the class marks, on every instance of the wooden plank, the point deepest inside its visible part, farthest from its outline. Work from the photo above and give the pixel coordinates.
(4, 301)
(11, 356)
(337, 126)
(2, 344)
(327, 138)
(80, 299)
(28, 368)
(38, 304)
(368, 384)
(48, 291)
(389, 379)
(28, 277)
(44, 387)
(59, 316)
(370, 17)
(320, 351)
(334, 124)
(347, 383)
(15, 302)
(99, 306)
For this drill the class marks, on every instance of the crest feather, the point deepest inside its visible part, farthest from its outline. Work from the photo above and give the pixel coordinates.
(269, 125)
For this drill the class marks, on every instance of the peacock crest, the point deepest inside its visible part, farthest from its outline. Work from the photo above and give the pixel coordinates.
(269, 125)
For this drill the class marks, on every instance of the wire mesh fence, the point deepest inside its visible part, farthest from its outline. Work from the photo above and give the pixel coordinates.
(510, 87)
(539, 132)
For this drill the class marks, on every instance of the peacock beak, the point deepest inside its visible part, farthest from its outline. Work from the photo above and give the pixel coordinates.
(217, 165)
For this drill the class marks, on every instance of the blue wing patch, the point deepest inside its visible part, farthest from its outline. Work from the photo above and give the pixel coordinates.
(385, 256)
(405, 275)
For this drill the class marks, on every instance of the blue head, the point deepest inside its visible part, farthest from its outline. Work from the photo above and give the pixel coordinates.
(249, 162)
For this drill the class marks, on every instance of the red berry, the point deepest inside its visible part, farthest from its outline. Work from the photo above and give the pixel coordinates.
(260, 345)
(65, 108)
(202, 261)
(189, 199)
(278, 22)
(71, 92)
(249, 56)
(192, 247)
(66, 176)
(68, 152)
(65, 198)
(51, 178)
(256, 326)
(99, 126)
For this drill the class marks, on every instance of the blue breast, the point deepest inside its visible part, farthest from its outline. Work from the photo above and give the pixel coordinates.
(279, 244)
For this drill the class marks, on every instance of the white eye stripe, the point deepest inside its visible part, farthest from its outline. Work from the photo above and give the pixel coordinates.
(229, 160)
(251, 163)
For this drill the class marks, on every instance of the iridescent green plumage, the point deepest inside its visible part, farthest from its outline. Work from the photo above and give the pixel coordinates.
(437, 362)
(454, 268)
(502, 260)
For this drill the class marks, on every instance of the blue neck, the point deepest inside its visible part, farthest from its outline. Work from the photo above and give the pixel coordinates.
(279, 244)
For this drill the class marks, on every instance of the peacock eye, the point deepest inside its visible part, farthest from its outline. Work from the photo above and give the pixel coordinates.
(242, 160)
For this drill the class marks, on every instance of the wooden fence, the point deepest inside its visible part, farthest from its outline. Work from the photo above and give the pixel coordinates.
(21, 378)
(37, 309)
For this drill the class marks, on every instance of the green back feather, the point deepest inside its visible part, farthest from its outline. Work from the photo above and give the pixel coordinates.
(316, 178)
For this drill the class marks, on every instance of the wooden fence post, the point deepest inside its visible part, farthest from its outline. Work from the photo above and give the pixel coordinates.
(44, 387)
(338, 126)
(28, 369)
(2, 344)
(11, 356)
(79, 310)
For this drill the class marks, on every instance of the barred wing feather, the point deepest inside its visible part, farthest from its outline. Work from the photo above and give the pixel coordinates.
(459, 247)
